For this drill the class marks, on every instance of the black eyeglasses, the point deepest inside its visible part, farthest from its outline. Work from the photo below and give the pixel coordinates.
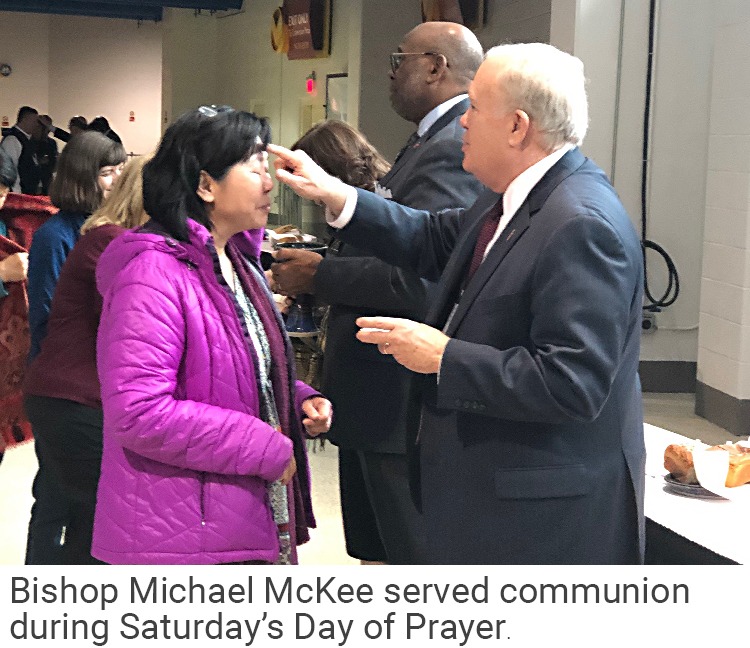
(397, 58)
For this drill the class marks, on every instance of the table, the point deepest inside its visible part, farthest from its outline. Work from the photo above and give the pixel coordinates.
(683, 530)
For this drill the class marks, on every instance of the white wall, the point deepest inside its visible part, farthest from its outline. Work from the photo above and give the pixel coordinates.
(380, 36)
(189, 72)
(64, 65)
(678, 157)
(515, 21)
(100, 66)
(724, 343)
(29, 58)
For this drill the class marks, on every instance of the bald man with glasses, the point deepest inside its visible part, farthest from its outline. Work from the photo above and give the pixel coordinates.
(429, 81)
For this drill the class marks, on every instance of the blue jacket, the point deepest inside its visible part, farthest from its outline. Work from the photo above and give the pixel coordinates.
(49, 248)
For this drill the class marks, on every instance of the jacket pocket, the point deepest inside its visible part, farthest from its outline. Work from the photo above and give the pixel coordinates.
(544, 482)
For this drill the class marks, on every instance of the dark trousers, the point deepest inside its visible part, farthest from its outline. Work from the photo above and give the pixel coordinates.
(68, 442)
(380, 520)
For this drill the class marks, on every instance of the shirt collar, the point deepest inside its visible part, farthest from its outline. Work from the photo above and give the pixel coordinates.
(23, 131)
(519, 189)
(437, 112)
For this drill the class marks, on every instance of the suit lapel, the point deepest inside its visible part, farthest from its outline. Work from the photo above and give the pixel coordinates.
(455, 270)
(456, 111)
(403, 161)
(512, 233)
(508, 238)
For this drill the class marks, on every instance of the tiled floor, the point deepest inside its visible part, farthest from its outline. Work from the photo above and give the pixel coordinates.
(670, 411)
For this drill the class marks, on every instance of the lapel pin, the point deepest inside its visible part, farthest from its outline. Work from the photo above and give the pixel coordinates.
(512, 232)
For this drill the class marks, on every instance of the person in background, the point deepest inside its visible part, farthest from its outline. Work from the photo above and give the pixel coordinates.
(101, 125)
(46, 152)
(77, 125)
(87, 169)
(530, 425)
(61, 388)
(203, 417)
(429, 77)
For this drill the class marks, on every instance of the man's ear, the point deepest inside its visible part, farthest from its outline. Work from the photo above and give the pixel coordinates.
(439, 68)
(521, 128)
(205, 188)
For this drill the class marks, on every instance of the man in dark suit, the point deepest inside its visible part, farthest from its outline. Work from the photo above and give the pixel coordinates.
(530, 432)
(430, 75)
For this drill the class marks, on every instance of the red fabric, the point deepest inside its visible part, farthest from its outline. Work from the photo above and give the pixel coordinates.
(22, 215)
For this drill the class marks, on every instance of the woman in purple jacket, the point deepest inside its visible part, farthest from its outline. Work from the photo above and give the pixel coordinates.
(204, 458)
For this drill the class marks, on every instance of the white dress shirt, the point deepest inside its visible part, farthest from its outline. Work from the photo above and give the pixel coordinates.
(520, 188)
(437, 112)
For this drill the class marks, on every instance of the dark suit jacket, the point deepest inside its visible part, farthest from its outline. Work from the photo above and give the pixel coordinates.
(531, 442)
(368, 389)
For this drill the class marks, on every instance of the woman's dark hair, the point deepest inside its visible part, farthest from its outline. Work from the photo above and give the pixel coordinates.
(8, 173)
(75, 186)
(208, 139)
(343, 152)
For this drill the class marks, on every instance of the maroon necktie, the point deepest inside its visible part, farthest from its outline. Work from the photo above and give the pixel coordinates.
(489, 227)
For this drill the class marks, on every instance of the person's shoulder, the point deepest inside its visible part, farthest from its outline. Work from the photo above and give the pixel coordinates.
(11, 139)
(142, 260)
(58, 224)
(100, 237)
(49, 229)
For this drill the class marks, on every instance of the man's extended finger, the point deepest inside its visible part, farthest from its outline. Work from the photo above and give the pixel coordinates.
(373, 336)
(380, 323)
(281, 152)
(284, 175)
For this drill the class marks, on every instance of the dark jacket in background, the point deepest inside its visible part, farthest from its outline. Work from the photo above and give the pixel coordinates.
(46, 157)
(368, 389)
(28, 169)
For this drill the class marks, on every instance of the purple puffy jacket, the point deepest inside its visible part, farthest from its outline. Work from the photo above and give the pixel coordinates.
(186, 458)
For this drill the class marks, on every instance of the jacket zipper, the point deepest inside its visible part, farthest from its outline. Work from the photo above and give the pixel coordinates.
(203, 499)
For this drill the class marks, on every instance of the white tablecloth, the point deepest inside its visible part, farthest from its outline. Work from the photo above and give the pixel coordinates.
(720, 525)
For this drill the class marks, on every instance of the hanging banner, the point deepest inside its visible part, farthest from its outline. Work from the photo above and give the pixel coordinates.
(309, 28)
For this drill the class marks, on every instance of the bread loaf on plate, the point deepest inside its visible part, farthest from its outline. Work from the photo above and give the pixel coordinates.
(678, 460)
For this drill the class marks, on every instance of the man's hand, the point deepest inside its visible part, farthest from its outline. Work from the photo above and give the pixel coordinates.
(319, 413)
(15, 267)
(416, 346)
(296, 169)
(294, 271)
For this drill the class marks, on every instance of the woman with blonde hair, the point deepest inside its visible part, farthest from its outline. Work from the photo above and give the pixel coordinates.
(62, 391)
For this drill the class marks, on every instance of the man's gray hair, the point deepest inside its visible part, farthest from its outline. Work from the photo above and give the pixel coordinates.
(549, 86)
